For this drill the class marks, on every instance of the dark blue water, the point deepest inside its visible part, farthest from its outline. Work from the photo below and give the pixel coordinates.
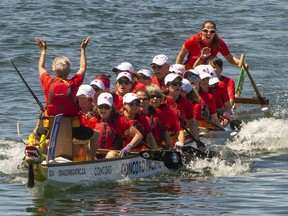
(136, 31)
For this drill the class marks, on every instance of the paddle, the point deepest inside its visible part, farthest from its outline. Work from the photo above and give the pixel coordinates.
(250, 77)
(196, 150)
(35, 97)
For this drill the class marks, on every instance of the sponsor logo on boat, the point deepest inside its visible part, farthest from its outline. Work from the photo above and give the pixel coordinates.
(105, 170)
(71, 172)
(141, 166)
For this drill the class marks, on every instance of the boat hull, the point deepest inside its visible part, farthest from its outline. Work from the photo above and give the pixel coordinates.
(103, 170)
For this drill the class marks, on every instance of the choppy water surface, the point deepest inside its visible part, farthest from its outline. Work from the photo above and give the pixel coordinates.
(251, 178)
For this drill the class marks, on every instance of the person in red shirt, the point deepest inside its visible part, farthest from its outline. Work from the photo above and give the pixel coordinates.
(113, 128)
(143, 76)
(98, 86)
(128, 67)
(189, 93)
(130, 110)
(162, 110)
(229, 83)
(123, 86)
(60, 92)
(159, 130)
(85, 95)
(182, 106)
(207, 100)
(160, 67)
(204, 44)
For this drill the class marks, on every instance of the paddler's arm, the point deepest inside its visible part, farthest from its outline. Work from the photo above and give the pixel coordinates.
(41, 64)
(167, 140)
(137, 136)
(151, 141)
(83, 61)
(233, 60)
(180, 58)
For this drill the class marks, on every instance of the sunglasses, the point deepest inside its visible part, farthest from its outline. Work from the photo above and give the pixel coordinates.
(192, 76)
(153, 96)
(156, 66)
(211, 31)
(96, 89)
(135, 103)
(144, 77)
(127, 82)
(143, 99)
(104, 106)
(174, 83)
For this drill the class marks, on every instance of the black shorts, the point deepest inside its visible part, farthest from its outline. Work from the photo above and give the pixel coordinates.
(82, 132)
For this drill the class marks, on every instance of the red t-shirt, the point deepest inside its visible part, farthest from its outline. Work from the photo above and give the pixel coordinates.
(88, 122)
(117, 101)
(168, 117)
(137, 85)
(142, 124)
(193, 45)
(182, 106)
(209, 100)
(230, 86)
(46, 81)
(197, 110)
(156, 81)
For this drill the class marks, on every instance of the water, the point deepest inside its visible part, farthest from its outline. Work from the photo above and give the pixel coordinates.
(252, 180)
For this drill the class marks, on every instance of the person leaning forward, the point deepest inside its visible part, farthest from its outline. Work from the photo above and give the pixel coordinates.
(60, 92)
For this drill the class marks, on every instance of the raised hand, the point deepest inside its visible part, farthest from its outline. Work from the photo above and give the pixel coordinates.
(41, 44)
(85, 42)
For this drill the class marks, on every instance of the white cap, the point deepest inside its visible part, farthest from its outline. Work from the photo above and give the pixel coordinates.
(186, 85)
(145, 72)
(204, 71)
(178, 69)
(124, 66)
(160, 60)
(98, 83)
(214, 79)
(105, 98)
(170, 77)
(86, 90)
(129, 97)
(124, 74)
(192, 71)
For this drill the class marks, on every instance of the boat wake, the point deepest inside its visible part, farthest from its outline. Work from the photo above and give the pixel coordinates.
(11, 166)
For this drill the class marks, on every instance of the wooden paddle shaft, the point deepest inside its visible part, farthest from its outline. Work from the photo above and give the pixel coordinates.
(241, 64)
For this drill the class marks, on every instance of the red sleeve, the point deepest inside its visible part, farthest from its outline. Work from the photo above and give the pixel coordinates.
(197, 111)
(231, 88)
(122, 125)
(45, 80)
(224, 92)
(223, 48)
(146, 124)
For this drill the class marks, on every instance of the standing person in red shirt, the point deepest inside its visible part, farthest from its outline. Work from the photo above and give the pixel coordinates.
(182, 106)
(60, 92)
(202, 45)
(160, 67)
(165, 113)
(229, 83)
(131, 105)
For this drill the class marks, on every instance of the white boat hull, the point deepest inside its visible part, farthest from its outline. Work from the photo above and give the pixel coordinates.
(131, 167)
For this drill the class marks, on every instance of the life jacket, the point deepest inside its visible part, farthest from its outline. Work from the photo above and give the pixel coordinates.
(157, 127)
(61, 99)
(108, 137)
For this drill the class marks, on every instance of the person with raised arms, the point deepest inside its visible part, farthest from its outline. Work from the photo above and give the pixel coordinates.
(202, 45)
(60, 92)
